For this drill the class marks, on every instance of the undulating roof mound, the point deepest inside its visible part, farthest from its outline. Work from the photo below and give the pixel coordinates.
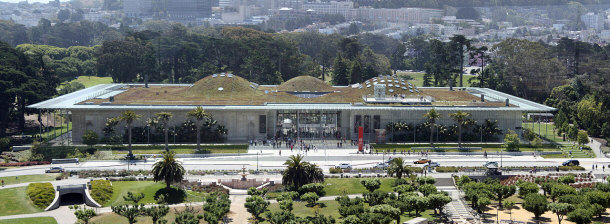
(305, 83)
(220, 84)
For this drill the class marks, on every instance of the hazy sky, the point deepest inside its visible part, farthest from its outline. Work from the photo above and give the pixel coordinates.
(17, 1)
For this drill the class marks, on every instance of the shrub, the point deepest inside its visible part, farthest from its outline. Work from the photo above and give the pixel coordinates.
(335, 170)
(371, 184)
(526, 188)
(447, 169)
(535, 203)
(399, 182)
(317, 188)
(425, 180)
(311, 198)
(569, 168)
(568, 179)
(5, 144)
(90, 138)
(31, 163)
(101, 191)
(41, 194)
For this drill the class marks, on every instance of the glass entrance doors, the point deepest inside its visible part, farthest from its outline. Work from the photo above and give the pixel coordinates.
(308, 125)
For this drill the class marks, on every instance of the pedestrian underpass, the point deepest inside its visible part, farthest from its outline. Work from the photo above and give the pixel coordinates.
(74, 194)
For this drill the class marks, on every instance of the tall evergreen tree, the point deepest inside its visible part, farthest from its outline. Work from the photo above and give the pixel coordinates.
(340, 71)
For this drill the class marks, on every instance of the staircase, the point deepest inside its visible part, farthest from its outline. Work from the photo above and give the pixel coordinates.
(457, 210)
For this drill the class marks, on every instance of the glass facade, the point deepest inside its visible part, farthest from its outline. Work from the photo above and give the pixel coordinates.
(308, 124)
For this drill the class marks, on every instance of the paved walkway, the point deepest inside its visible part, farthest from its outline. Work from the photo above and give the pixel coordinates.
(63, 215)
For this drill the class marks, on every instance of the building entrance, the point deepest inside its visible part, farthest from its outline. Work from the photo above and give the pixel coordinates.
(308, 125)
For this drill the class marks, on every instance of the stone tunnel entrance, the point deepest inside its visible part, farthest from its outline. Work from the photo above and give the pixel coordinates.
(72, 195)
(72, 199)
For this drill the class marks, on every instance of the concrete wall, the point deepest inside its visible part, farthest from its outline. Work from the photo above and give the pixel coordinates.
(243, 125)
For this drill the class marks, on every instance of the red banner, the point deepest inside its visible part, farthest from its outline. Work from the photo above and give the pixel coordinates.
(360, 136)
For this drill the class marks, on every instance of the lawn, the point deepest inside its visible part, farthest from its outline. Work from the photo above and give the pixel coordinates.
(149, 188)
(90, 81)
(29, 178)
(332, 209)
(417, 78)
(15, 201)
(345, 186)
(112, 218)
(158, 149)
(546, 130)
(53, 131)
(484, 147)
(37, 220)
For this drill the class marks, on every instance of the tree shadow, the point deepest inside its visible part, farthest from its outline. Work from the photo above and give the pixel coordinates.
(170, 196)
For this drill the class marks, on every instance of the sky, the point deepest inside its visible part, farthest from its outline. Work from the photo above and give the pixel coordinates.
(31, 1)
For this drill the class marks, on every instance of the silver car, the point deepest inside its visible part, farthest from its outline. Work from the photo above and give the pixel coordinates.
(55, 169)
(381, 166)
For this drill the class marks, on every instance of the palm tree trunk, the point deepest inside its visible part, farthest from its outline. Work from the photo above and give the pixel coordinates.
(166, 139)
(198, 137)
(460, 135)
(432, 134)
(129, 139)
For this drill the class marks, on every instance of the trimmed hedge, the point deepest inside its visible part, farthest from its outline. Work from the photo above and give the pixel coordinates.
(41, 194)
(101, 191)
(31, 163)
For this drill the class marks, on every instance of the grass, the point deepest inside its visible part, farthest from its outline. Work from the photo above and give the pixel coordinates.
(332, 209)
(484, 147)
(346, 186)
(89, 81)
(417, 78)
(158, 149)
(546, 130)
(112, 218)
(53, 131)
(149, 188)
(37, 220)
(343, 186)
(29, 178)
(15, 201)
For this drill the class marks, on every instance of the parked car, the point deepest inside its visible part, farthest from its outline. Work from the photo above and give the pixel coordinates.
(571, 162)
(381, 166)
(55, 169)
(344, 166)
(421, 161)
(491, 163)
(433, 164)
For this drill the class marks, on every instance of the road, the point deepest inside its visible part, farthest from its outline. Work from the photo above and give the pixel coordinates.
(270, 159)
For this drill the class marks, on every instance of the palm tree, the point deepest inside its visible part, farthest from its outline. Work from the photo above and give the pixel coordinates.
(397, 167)
(199, 114)
(460, 117)
(129, 117)
(163, 118)
(299, 172)
(168, 169)
(432, 116)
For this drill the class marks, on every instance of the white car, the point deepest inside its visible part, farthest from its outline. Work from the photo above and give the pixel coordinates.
(344, 166)
(492, 163)
(381, 166)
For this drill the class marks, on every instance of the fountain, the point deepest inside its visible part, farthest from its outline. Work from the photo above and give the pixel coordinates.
(243, 174)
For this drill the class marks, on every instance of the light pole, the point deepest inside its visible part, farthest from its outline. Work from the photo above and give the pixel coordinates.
(256, 162)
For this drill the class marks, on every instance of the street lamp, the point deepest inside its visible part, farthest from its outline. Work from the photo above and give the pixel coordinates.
(256, 162)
